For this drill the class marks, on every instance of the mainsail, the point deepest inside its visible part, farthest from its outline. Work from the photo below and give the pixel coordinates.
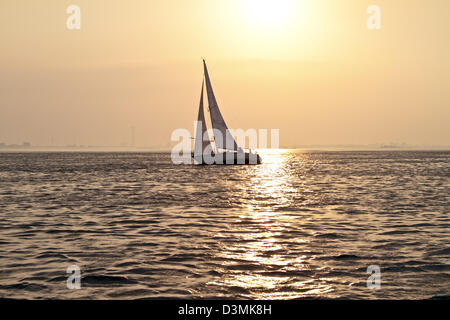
(217, 121)
(201, 134)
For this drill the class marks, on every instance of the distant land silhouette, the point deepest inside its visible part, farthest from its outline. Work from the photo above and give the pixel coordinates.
(27, 146)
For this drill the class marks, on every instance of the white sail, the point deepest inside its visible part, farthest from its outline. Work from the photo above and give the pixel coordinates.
(217, 121)
(201, 134)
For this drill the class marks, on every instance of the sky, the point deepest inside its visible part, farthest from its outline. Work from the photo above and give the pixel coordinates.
(310, 68)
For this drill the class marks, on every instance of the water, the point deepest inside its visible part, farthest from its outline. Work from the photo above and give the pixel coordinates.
(301, 225)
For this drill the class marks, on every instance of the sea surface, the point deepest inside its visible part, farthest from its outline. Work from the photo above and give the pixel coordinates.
(303, 224)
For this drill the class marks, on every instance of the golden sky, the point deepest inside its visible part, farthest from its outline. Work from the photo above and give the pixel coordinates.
(310, 68)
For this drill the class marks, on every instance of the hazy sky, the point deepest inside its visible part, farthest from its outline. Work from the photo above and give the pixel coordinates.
(310, 68)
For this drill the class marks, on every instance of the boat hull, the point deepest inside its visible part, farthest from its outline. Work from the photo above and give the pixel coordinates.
(228, 158)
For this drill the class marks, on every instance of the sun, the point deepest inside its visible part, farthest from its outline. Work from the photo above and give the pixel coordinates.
(270, 14)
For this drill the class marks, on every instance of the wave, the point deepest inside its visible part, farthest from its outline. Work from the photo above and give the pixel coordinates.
(106, 280)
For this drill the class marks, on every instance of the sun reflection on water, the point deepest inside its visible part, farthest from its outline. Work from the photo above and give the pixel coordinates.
(259, 262)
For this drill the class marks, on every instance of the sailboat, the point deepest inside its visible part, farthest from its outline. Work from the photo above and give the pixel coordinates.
(226, 149)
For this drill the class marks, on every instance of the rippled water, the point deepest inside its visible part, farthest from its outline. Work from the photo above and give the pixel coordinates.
(302, 224)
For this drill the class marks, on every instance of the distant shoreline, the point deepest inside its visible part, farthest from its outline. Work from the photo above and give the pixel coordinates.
(168, 150)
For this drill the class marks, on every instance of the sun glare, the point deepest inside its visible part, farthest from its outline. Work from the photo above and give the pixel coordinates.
(270, 14)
